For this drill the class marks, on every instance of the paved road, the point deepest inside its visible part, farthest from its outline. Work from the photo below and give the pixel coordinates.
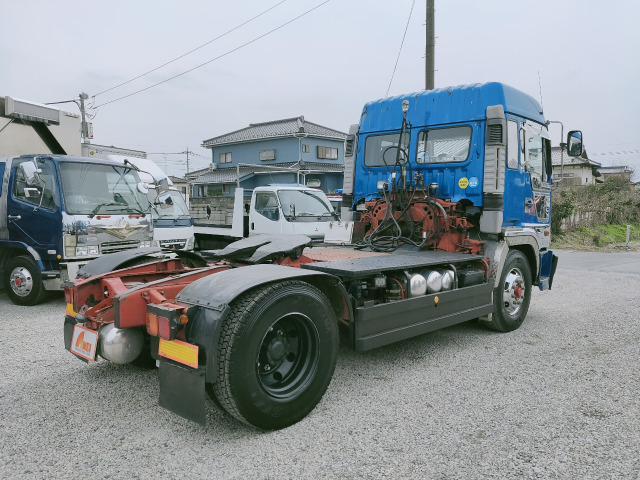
(556, 399)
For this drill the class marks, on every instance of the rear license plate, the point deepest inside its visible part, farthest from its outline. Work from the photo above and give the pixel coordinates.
(84, 343)
(181, 352)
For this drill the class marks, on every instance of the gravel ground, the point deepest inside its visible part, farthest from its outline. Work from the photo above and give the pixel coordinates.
(558, 398)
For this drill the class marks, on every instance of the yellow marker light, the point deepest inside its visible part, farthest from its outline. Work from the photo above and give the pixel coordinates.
(436, 300)
(59, 256)
(183, 319)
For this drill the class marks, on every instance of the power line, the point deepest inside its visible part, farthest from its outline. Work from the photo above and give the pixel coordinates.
(401, 44)
(218, 57)
(191, 51)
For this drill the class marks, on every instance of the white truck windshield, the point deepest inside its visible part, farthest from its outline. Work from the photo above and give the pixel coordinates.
(169, 205)
(305, 203)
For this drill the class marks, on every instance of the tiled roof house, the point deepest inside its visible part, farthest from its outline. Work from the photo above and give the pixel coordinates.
(281, 151)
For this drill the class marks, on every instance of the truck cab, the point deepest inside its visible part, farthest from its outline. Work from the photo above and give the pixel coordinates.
(272, 209)
(284, 209)
(172, 223)
(58, 212)
(483, 148)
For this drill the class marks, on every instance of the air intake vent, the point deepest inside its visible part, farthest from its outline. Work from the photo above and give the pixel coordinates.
(348, 145)
(494, 134)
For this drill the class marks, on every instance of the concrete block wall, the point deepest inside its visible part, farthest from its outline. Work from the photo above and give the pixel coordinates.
(221, 210)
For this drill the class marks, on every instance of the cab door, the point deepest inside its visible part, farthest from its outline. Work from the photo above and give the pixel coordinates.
(265, 214)
(34, 216)
(537, 164)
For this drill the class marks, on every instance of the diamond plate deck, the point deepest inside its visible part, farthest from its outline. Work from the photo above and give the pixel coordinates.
(358, 267)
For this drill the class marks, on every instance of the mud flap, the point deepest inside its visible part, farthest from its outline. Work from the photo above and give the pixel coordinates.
(182, 391)
(548, 264)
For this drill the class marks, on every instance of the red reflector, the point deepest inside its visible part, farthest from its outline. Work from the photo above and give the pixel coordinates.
(164, 328)
(152, 324)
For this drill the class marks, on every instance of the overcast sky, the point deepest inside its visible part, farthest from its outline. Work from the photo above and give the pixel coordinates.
(583, 55)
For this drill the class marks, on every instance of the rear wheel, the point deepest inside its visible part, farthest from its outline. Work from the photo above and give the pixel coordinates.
(277, 354)
(512, 296)
(23, 282)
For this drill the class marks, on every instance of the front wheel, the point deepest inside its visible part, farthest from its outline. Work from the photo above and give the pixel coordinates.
(22, 281)
(512, 296)
(276, 355)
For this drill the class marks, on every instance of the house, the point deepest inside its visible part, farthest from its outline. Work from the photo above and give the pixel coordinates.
(292, 150)
(615, 171)
(182, 186)
(572, 171)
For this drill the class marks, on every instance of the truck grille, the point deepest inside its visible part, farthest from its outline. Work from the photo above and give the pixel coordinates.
(111, 247)
(173, 244)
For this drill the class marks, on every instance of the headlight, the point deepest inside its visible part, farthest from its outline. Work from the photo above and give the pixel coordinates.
(82, 251)
(93, 250)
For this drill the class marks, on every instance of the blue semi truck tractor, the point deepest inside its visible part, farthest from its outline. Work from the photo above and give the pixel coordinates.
(58, 212)
(448, 199)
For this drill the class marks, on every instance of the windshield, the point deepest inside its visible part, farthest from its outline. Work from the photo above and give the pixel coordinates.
(305, 203)
(169, 204)
(93, 188)
(444, 145)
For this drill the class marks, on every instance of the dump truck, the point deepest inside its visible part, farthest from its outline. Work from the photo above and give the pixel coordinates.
(452, 191)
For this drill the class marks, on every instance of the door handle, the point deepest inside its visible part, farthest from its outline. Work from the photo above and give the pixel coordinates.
(14, 217)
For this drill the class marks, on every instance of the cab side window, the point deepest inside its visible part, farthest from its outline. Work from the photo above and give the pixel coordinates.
(44, 194)
(512, 144)
(267, 205)
(537, 155)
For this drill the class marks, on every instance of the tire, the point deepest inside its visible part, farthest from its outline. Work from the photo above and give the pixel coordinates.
(145, 360)
(22, 281)
(276, 354)
(512, 296)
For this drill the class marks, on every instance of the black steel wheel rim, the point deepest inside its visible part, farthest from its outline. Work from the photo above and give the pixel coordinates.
(288, 355)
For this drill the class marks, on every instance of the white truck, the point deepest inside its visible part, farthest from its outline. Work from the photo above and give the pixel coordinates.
(273, 209)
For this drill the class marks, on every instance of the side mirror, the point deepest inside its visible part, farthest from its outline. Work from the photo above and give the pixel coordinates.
(31, 173)
(574, 143)
(165, 201)
(163, 185)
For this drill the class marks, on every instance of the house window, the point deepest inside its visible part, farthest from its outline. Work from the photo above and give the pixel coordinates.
(225, 157)
(305, 148)
(268, 155)
(328, 153)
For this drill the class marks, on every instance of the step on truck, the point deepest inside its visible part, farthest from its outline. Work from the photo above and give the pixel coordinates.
(452, 189)
(58, 212)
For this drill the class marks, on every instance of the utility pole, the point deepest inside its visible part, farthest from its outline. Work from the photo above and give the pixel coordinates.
(430, 51)
(85, 131)
(187, 160)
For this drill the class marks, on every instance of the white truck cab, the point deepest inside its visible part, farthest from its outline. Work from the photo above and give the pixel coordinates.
(172, 224)
(290, 210)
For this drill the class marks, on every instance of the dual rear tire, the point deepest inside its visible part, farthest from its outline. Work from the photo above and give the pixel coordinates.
(276, 355)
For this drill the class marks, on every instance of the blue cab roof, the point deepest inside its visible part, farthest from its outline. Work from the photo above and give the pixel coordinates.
(448, 105)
